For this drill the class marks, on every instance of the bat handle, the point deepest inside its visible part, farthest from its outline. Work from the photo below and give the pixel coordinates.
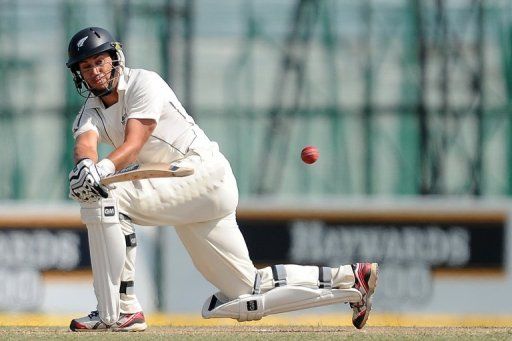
(102, 191)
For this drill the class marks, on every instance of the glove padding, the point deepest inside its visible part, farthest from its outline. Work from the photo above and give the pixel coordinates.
(84, 183)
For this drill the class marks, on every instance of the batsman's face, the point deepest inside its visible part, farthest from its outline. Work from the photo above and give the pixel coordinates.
(96, 70)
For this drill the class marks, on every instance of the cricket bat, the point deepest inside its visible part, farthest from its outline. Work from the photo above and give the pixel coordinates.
(146, 171)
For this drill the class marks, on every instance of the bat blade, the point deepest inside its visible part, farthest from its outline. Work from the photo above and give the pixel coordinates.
(147, 171)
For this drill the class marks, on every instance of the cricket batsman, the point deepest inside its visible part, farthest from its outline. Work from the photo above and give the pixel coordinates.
(138, 114)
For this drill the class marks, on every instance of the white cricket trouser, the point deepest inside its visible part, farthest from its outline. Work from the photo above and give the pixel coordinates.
(202, 209)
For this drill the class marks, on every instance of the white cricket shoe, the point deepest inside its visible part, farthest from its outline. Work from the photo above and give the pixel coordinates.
(130, 323)
(126, 323)
(366, 275)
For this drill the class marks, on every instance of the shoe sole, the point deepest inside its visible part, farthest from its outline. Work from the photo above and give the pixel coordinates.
(136, 327)
(87, 330)
(372, 284)
(76, 327)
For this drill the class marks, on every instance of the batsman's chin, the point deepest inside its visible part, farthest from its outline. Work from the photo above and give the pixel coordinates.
(101, 86)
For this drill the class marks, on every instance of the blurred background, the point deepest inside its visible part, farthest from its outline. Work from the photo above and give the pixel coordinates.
(409, 103)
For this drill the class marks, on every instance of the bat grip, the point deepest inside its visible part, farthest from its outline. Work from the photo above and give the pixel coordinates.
(102, 191)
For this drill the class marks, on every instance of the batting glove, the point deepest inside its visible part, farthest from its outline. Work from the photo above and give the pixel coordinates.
(84, 182)
(105, 168)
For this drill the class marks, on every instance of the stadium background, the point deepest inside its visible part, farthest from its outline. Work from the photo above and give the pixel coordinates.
(409, 103)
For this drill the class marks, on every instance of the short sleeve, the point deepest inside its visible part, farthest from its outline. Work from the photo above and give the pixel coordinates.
(85, 121)
(146, 97)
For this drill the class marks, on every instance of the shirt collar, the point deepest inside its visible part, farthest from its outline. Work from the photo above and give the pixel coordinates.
(122, 84)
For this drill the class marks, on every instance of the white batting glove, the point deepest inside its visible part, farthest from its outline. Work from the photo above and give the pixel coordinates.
(84, 182)
(105, 168)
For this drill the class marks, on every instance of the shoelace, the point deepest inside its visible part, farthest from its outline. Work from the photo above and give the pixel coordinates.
(357, 305)
(93, 314)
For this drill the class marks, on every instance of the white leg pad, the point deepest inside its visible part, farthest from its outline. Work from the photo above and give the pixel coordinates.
(275, 301)
(108, 251)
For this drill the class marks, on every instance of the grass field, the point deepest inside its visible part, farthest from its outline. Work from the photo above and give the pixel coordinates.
(280, 327)
(247, 333)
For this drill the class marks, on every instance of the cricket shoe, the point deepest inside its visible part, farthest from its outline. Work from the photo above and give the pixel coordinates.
(130, 323)
(366, 275)
(126, 323)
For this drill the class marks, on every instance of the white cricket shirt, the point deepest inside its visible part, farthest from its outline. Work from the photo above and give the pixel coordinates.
(143, 94)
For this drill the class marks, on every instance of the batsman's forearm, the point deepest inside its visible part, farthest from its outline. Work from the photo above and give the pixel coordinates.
(124, 155)
(84, 152)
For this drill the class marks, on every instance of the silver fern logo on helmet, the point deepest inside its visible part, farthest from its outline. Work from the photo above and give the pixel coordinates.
(81, 42)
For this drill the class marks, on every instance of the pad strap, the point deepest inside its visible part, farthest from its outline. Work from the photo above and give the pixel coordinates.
(213, 303)
(123, 216)
(256, 290)
(126, 287)
(279, 274)
(131, 240)
(324, 277)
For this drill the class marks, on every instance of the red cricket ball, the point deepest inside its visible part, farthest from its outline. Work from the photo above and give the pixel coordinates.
(309, 154)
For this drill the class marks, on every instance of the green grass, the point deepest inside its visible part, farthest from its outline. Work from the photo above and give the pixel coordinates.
(266, 333)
